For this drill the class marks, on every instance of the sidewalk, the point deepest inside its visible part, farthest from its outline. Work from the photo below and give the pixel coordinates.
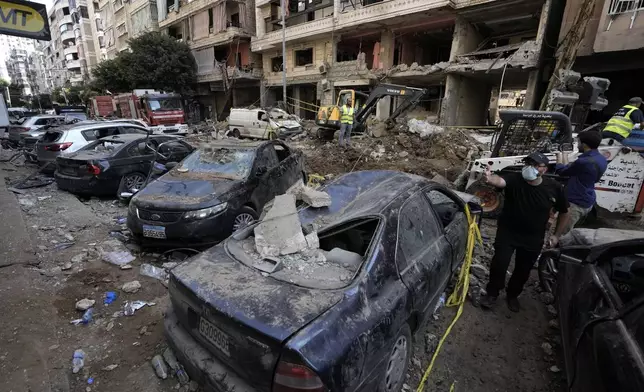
(15, 243)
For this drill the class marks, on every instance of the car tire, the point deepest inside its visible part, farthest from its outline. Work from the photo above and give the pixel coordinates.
(132, 181)
(492, 200)
(236, 134)
(397, 364)
(243, 216)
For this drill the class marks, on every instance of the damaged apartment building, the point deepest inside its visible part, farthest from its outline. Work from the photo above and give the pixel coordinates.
(219, 35)
(459, 50)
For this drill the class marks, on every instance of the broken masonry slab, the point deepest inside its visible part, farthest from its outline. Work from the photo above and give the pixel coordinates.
(280, 232)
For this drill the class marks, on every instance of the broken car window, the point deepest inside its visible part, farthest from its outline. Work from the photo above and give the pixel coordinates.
(234, 163)
(445, 207)
(110, 146)
(417, 228)
(267, 158)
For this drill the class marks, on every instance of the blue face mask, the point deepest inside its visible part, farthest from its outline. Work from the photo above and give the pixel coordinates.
(529, 173)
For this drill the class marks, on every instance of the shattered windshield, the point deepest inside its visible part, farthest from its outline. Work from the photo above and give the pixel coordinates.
(164, 104)
(104, 146)
(234, 163)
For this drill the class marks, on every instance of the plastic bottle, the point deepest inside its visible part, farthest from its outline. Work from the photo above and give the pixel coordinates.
(176, 367)
(110, 297)
(440, 303)
(88, 316)
(159, 367)
(78, 361)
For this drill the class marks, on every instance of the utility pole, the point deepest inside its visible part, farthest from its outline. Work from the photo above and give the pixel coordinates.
(283, 7)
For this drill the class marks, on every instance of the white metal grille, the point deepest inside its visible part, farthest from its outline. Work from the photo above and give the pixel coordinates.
(623, 6)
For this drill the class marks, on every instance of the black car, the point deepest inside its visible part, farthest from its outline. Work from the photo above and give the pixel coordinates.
(343, 322)
(119, 163)
(219, 188)
(599, 289)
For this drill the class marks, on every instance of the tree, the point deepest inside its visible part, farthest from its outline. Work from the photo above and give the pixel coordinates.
(4, 83)
(155, 61)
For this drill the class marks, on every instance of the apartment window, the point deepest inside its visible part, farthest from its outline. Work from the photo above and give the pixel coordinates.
(276, 63)
(101, 42)
(83, 12)
(221, 55)
(65, 10)
(211, 22)
(303, 57)
(95, 5)
(234, 20)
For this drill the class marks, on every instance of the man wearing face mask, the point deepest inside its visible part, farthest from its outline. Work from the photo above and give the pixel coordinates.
(521, 227)
(583, 174)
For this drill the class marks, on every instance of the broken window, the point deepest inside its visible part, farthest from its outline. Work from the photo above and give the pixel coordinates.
(83, 12)
(276, 64)
(221, 55)
(234, 20)
(417, 228)
(175, 31)
(352, 237)
(444, 206)
(210, 20)
(65, 10)
(267, 158)
(303, 57)
(234, 163)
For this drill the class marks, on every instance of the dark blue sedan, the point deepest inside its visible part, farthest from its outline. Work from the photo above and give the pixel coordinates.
(342, 322)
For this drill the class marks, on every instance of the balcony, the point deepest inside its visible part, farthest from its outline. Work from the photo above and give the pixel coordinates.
(350, 18)
(216, 74)
(65, 20)
(70, 50)
(73, 65)
(67, 37)
(184, 11)
(219, 38)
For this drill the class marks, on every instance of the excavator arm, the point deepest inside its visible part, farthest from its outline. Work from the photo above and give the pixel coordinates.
(411, 95)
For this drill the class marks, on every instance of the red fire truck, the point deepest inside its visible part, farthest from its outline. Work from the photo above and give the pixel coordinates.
(153, 107)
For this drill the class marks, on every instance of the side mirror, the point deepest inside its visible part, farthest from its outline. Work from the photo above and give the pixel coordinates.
(171, 165)
(264, 117)
(261, 171)
(143, 147)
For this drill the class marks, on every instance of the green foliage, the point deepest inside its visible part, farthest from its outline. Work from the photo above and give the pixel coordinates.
(155, 61)
(4, 83)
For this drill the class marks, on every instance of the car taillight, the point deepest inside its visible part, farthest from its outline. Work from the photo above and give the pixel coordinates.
(58, 147)
(93, 169)
(22, 129)
(291, 377)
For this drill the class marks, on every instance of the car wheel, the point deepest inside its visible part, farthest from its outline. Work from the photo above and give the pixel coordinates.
(245, 216)
(236, 133)
(548, 269)
(398, 362)
(491, 199)
(133, 182)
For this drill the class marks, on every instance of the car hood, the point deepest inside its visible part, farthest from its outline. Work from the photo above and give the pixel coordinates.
(288, 123)
(185, 191)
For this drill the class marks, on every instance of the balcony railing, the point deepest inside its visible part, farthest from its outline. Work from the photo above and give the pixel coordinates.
(73, 64)
(67, 36)
(625, 6)
(70, 50)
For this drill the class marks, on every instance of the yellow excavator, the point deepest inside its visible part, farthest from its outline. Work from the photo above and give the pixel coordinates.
(328, 117)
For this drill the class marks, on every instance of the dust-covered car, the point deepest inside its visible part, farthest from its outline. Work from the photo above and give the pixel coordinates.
(598, 280)
(114, 164)
(219, 188)
(339, 322)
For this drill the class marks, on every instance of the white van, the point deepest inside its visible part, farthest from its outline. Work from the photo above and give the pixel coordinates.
(262, 124)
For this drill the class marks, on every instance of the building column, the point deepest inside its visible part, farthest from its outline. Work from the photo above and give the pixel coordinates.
(262, 94)
(466, 100)
(530, 102)
(386, 61)
(260, 24)
(296, 101)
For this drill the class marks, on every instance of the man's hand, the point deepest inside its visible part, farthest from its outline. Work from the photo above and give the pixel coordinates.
(553, 241)
(487, 174)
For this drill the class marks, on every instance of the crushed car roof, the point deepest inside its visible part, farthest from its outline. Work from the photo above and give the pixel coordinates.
(361, 194)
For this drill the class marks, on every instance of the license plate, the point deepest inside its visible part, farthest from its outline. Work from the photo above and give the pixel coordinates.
(154, 231)
(214, 335)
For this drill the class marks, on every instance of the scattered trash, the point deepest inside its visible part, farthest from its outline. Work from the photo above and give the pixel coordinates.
(119, 236)
(547, 348)
(159, 367)
(87, 316)
(18, 191)
(79, 258)
(41, 198)
(118, 258)
(109, 368)
(109, 326)
(78, 361)
(110, 297)
(126, 267)
(69, 237)
(90, 380)
(153, 272)
(64, 245)
(121, 220)
(423, 128)
(131, 287)
(85, 304)
(439, 304)
(555, 369)
(26, 202)
(431, 343)
(132, 306)
(169, 265)
(176, 367)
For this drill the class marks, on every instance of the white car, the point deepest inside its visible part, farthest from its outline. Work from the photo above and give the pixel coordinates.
(262, 124)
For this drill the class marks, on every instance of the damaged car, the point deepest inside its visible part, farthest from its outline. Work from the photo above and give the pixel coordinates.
(221, 187)
(337, 315)
(115, 164)
(597, 278)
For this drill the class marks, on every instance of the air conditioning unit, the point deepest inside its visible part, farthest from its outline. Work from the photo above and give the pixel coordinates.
(323, 68)
(326, 86)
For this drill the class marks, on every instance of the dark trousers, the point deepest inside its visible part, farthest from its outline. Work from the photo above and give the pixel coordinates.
(504, 247)
(612, 135)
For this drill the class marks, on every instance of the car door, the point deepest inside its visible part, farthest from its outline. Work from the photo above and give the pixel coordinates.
(265, 173)
(174, 150)
(289, 167)
(423, 254)
(449, 210)
(598, 330)
(133, 159)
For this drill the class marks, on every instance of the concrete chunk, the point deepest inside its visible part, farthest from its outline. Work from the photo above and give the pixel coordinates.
(280, 232)
(315, 198)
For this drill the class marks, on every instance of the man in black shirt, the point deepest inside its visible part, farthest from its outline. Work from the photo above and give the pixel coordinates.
(529, 199)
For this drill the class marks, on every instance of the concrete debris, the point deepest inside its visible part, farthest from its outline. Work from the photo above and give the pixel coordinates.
(114, 252)
(552, 310)
(126, 266)
(480, 271)
(403, 154)
(547, 348)
(280, 232)
(423, 128)
(79, 258)
(378, 129)
(153, 272)
(315, 198)
(547, 298)
(345, 258)
(67, 266)
(312, 240)
(85, 304)
(555, 369)
(109, 368)
(131, 287)
(554, 324)
(431, 343)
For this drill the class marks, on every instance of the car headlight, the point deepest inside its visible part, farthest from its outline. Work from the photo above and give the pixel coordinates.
(205, 212)
(132, 209)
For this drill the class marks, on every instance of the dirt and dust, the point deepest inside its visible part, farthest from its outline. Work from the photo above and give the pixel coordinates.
(445, 153)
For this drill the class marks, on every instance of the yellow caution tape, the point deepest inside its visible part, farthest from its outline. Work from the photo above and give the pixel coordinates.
(314, 180)
(457, 298)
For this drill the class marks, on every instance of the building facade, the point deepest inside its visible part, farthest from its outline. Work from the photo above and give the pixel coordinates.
(612, 48)
(219, 34)
(7, 44)
(18, 68)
